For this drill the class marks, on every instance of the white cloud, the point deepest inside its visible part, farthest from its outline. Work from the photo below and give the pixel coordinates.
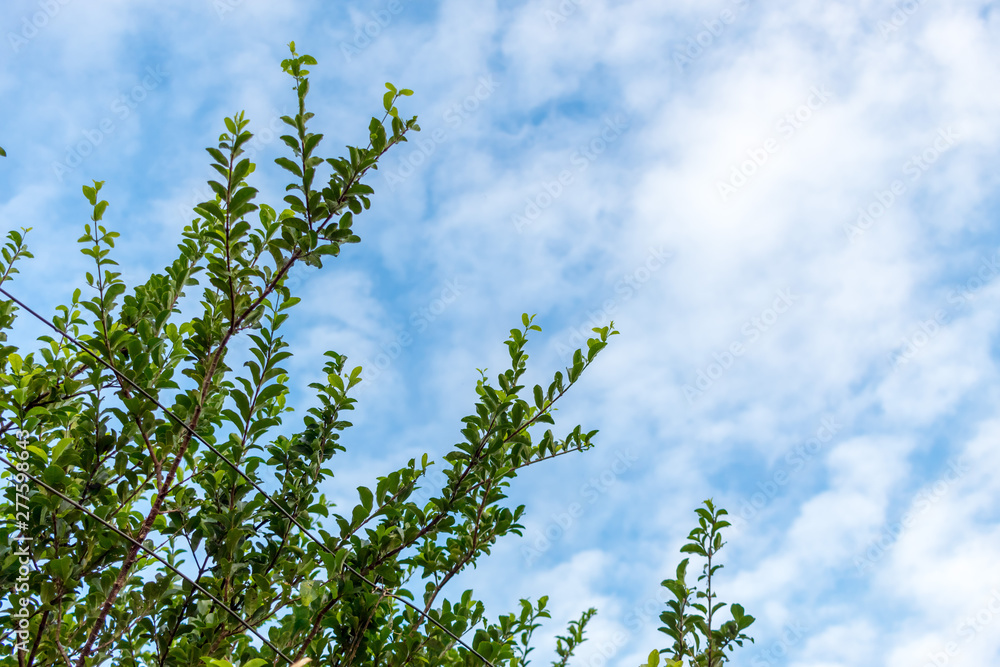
(888, 94)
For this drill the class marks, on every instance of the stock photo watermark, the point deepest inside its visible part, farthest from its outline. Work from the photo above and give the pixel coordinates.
(917, 339)
(635, 619)
(900, 16)
(777, 652)
(21, 596)
(368, 31)
(712, 29)
(31, 25)
(454, 116)
(552, 189)
(261, 138)
(922, 334)
(625, 289)
(795, 460)
(883, 199)
(562, 12)
(121, 108)
(967, 629)
(757, 157)
(419, 321)
(751, 331)
(223, 7)
(922, 502)
(590, 492)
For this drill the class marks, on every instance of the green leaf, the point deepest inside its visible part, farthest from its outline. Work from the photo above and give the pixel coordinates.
(219, 157)
(308, 591)
(243, 168)
(242, 196)
(288, 165)
(3, 153)
(366, 497)
(60, 447)
(62, 568)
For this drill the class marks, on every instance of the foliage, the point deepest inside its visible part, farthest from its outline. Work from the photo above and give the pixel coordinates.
(160, 516)
(690, 615)
(122, 496)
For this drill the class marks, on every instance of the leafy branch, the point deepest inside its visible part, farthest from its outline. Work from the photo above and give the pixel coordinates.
(690, 615)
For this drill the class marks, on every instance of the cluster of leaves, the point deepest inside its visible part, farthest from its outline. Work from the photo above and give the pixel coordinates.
(188, 484)
(690, 616)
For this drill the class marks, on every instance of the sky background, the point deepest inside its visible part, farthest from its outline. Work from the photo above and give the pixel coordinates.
(788, 211)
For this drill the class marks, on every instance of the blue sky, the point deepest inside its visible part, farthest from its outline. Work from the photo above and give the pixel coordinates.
(789, 212)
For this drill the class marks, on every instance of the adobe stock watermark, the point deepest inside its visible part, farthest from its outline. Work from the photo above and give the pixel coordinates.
(989, 268)
(777, 652)
(795, 460)
(367, 32)
(913, 169)
(31, 26)
(625, 289)
(922, 502)
(419, 321)
(635, 619)
(223, 7)
(901, 13)
(121, 108)
(261, 138)
(562, 12)
(967, 630)
(789, 124)
(454, 117)
(921, 335)
(917, 339)
(713, 29)
(22, 597)
(580, 160)
(589, 493)
(751, 331)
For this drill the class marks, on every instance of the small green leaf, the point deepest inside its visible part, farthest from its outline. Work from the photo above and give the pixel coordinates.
(218, 156)
(289, 165)
(60, 447)
(366, 497)
(308, 591)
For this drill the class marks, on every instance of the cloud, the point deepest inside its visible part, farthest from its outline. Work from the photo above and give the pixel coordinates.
(827, 121)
